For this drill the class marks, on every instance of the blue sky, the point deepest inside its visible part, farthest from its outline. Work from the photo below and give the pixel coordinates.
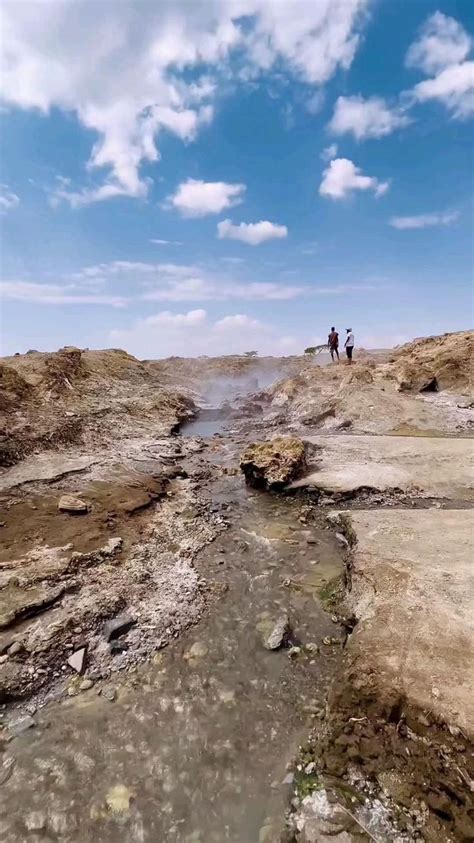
(303, 164)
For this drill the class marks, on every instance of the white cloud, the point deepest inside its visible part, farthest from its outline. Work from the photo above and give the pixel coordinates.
(124, 69)
(442, 42)
(209, 289)
(442, 49)
(195, 198)
(329, 152)
(53, 294)
(453, 87)
(8, 200)
(313, 39)
(176, 320)
(424, 220)
(366, 118)
(252, 233)
(193, 333)
(238, 322)
(173, 282)
(342, 177)
(158, 242)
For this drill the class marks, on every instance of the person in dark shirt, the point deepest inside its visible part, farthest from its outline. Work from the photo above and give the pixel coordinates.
(333, 344)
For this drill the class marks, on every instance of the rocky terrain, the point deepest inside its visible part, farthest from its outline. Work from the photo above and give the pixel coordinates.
(326, 605)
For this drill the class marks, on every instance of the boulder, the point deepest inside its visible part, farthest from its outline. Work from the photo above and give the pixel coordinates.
(273, 464)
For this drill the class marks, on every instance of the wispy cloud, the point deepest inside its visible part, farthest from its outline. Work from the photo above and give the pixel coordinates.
(54, 294)
(8, 199)
(366, 118)
(158, 242)
(208, 289)
(424, 220)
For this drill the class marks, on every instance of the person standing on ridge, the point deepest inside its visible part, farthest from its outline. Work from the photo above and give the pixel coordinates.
(333, 344)
(349, 344)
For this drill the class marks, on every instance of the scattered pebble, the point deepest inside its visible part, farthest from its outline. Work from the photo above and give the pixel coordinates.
(110, 694)
(118, 799)
(294, 652)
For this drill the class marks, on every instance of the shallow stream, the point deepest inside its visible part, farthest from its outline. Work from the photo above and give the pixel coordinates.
(195, 746)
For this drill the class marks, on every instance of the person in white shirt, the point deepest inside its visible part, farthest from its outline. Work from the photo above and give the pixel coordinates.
(349, 344)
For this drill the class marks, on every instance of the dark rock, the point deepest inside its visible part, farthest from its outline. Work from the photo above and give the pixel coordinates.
(118, 626)
(117, 647)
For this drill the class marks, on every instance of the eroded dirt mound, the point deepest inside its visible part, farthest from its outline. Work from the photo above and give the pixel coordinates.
(443, 362)
(73, 396)
(14, 390)
(424, 386)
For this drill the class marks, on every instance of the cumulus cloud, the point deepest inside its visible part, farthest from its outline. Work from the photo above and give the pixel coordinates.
(453, 87)
(239, 322)
(424, 220)
(124, 69)
(366, 118)
(54, 294)
(192, 334)
(8, 200)
(342, 178)
(252, 233)
(443, 48)
(195, 198)
(176, 320)
(442, 42)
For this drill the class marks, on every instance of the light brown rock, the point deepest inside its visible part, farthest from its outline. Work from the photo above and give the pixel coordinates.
(273, 464)
(69, 503)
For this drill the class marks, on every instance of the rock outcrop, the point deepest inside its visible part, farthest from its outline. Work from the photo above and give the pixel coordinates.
(273, 464)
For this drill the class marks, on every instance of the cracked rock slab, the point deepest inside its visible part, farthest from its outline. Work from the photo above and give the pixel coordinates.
(431, 466)
(413, 594)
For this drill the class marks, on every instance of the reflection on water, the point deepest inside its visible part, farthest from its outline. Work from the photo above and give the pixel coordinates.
(204, 427)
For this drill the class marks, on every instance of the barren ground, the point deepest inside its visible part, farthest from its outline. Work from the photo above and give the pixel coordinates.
(171, 539)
